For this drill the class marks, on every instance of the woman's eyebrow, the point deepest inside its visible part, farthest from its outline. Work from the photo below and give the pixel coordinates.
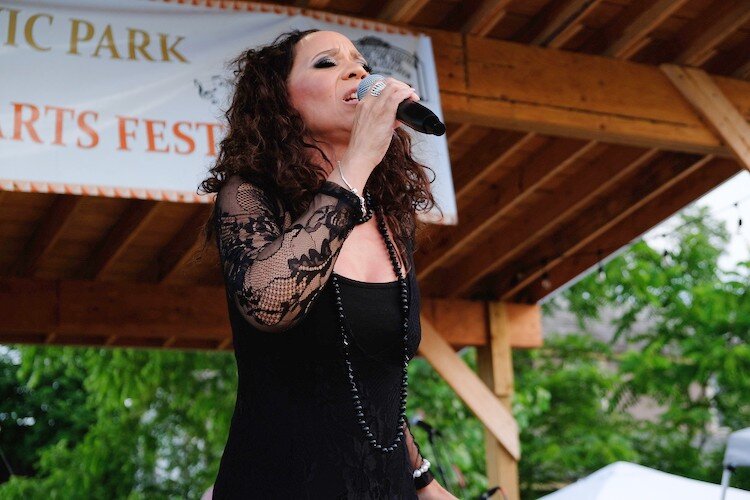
(336, 51)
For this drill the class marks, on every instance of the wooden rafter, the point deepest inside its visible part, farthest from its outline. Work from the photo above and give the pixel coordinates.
(564, 23)
(700, 90)
(182, 247)
(478, 169)
(134, 218)
(401, 11)
(491, 203)
(632, 29)
(708, 31)
(504, 246)
(640, 220)
(573, 237)
(485, 17)
(47, 233)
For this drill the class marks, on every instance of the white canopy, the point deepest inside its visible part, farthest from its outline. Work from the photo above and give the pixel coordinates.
(738, 449)
(626, 481)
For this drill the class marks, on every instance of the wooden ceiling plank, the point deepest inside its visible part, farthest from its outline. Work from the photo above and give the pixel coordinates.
(632, 227)
(134, 218)
(461, 132)
(47, 233)
(470, 388)
(563, 26)
(491, 204)
(701, 91)
(182, 247)
(634, 34)
(485, 17)
(401, 11)
(621, 164)
(743, 72)
(706, 33)
(510, 146)
(569, 240)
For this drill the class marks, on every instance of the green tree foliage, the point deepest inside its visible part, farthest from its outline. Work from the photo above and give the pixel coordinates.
(159, 422)
(127, 423)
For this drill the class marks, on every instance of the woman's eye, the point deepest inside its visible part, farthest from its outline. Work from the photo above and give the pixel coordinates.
(327, 63)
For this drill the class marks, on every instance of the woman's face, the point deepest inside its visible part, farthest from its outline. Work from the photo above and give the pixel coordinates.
(326, 69)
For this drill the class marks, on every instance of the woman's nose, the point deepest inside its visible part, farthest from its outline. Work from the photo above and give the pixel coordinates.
(357, 71)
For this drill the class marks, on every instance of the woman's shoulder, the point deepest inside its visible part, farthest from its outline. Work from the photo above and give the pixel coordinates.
(240, 192)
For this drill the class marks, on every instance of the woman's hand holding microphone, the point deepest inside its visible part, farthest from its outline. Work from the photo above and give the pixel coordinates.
(374, 123)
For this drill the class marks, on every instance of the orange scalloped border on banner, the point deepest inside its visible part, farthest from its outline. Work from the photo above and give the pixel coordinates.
(105, 191)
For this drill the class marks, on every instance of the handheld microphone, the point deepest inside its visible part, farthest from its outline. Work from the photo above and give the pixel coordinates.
(411, 113)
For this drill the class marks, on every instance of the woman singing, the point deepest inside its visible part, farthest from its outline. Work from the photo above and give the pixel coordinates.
(315, 223)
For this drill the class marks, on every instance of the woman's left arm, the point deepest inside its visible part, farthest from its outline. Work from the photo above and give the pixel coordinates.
(432, 490)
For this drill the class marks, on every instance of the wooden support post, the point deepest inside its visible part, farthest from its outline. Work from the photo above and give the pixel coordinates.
(712, 104)
(468, 386)
(495, 368)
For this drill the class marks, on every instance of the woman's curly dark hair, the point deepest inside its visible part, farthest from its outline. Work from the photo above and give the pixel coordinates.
(266, 143)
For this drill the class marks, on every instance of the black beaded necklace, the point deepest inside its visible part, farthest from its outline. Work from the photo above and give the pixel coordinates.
(405, 326)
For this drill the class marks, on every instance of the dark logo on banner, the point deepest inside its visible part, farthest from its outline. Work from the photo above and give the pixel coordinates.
(215, 90)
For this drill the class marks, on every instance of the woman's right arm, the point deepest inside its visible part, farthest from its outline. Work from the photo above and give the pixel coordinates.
(274, 271)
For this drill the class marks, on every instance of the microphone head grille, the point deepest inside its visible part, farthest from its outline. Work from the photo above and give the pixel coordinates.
(365, 84)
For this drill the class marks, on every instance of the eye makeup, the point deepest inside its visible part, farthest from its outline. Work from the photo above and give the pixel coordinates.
(327, 62)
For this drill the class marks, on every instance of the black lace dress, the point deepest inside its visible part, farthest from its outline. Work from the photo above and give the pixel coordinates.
(293, 432)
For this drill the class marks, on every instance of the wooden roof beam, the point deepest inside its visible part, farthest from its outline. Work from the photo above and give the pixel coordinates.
(476, 169)
(401, 11)
(492, 203)
(713, 105)
(634, 26)
(563, 23)
(708, 31)
(572, 238)
(485, 17)
(505, 246)
(48, 231)
(134, 218)
(178, 252)
(113, 313)
(594, 97)
(629, 228)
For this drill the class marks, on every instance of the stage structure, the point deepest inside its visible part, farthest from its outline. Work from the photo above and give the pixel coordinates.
(574, 126)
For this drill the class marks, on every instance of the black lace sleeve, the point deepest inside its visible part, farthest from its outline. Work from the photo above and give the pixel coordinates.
(273, 266)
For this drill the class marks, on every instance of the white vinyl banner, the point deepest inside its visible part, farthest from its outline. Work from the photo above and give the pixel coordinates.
(127, 98)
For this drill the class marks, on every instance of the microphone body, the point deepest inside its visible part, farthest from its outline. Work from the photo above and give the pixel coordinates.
(411, 113)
